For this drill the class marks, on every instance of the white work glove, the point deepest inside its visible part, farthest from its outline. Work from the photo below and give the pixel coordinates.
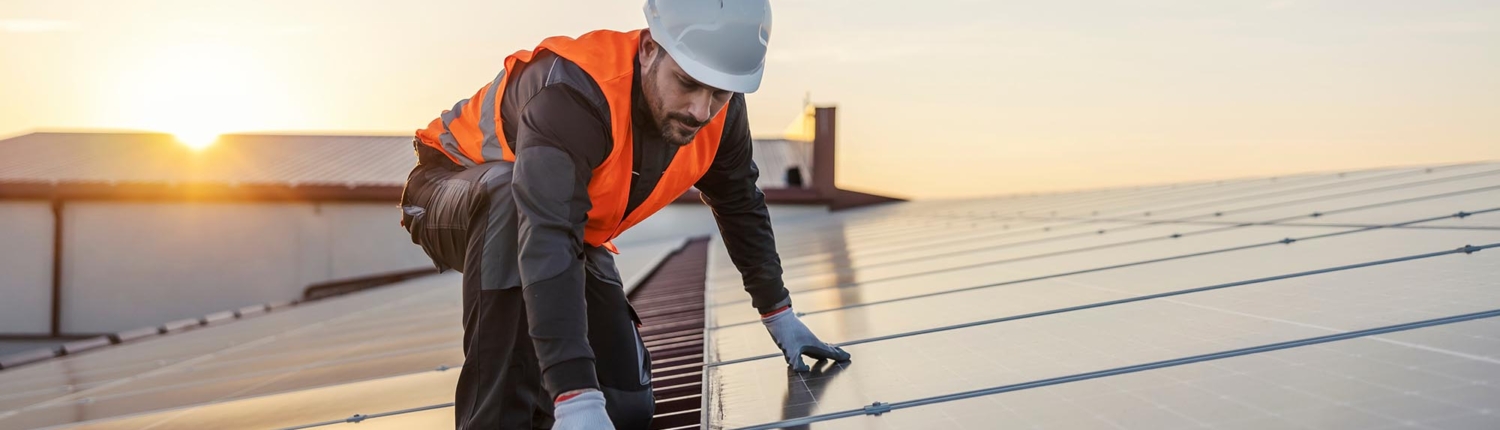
(584, 411)
(795, 340)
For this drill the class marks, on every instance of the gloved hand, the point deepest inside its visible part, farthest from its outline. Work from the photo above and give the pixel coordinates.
(582, 411)
(795, 340)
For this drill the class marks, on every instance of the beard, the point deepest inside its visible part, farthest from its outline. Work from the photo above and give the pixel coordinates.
(678, 129)
(675, 128)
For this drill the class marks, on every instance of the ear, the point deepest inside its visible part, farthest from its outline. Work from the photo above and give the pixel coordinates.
(648, 48)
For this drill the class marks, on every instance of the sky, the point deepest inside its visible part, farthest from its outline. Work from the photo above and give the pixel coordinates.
(936, 98)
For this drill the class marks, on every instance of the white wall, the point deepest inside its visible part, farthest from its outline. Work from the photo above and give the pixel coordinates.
(25, 267)
(133, 264)
(368, 238)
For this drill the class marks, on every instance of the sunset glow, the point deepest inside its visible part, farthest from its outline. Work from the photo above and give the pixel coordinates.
(1048, 97)
(196, 139)
(196, 91)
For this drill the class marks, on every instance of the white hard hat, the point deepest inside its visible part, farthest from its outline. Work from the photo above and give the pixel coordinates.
(720, 43)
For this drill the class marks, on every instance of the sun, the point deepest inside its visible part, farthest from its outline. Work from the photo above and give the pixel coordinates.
(196, 91)
(196, 139)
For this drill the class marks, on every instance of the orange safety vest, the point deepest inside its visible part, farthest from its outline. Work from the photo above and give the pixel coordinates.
(608, 57)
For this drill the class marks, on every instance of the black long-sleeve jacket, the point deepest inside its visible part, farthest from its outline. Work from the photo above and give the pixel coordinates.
(556, 118)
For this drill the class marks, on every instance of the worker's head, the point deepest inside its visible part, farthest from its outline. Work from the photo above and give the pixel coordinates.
(695, 55)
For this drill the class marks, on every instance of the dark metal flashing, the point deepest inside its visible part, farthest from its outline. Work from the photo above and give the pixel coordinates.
(350, 285)
(670, 303)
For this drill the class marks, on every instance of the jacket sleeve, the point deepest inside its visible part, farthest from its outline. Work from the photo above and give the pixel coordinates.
(739, 208)
(559, 140)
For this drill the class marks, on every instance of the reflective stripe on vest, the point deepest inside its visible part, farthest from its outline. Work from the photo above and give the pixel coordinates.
(471, 133)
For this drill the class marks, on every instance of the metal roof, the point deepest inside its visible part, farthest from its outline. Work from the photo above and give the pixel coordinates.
(248, 159)
(156, 165)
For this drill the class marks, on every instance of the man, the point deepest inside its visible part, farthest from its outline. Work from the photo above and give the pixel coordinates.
(523, 186)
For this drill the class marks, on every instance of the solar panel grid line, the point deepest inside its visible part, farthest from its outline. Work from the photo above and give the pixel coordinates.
(1310, 215)
(1045, 204)
(1263, 188)
(881, 235)
(1363, 191)
(1303, 224)
(1082, 234)
(1360, 205)
(330, 347)
(945, 233)
(1173, 195)
(1286, 241)
(361, 417)
(255, 390)
(811, 244)
(1341, 210)
(1335, 330)
(928, 257)
(1065, 202)
(1052, 206)
(83, 374)
(874, 222)
(877, 227)
(1393, 203)
(1183, 187)
(741, 331)
(282, 371)
(793, 251)
(1118, 244)
(881, 408)
(927, 242)
(204, 357)
(1089, 219)
(920, 242)
(1466, 249)
(1333, 185)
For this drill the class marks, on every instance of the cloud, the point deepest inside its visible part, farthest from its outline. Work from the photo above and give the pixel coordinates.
(36, 26)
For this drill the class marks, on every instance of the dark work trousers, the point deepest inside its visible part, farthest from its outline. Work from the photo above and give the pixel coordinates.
(465, 219)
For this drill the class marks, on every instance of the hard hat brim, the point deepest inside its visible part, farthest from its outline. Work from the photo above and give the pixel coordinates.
(743, 83)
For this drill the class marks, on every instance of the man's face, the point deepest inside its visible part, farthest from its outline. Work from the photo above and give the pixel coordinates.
(679, 104)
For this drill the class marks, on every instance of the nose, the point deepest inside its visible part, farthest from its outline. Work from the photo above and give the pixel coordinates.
(699, 106)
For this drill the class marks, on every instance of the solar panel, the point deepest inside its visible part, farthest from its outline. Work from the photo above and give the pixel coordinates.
(1016, 351)
(931, 319)
(1393, 381)
(385, 349)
